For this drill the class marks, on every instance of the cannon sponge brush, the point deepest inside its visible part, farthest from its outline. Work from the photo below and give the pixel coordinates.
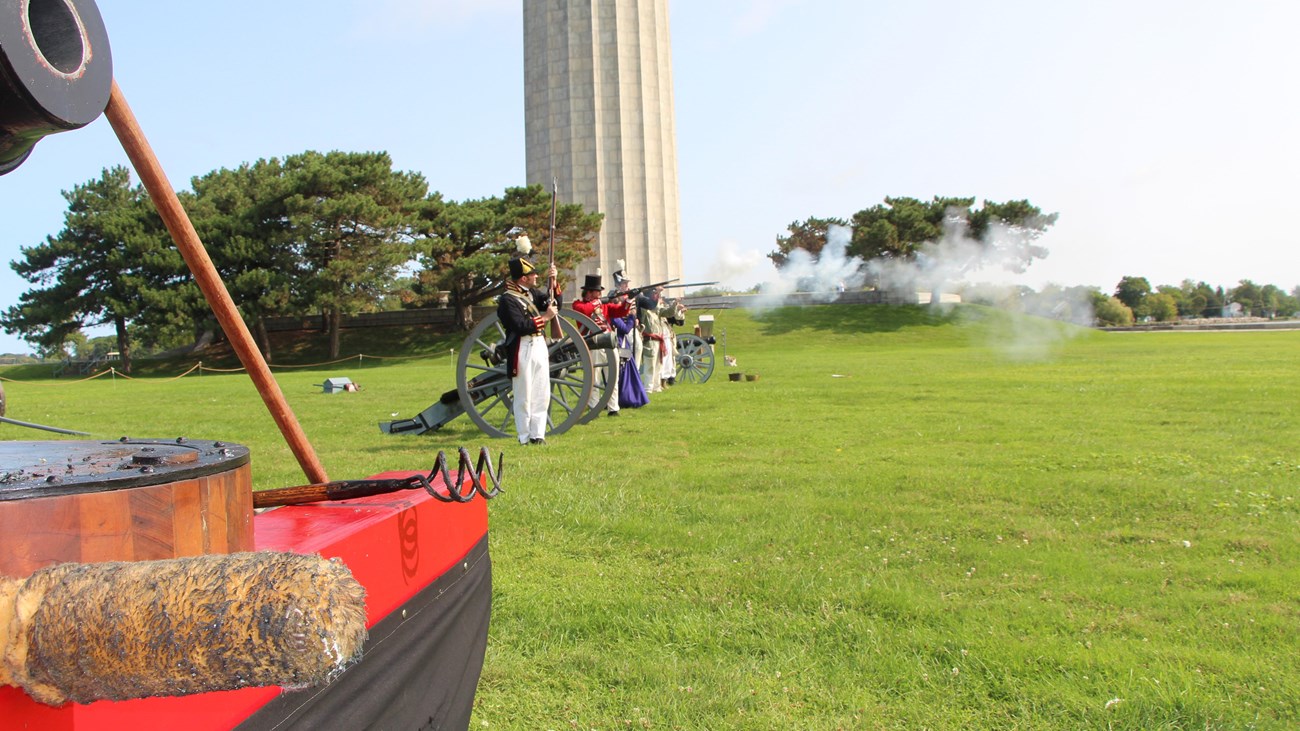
(121, 630)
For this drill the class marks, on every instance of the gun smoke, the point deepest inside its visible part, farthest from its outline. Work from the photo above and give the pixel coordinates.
(823, 277)
(733, 263)
(947, 265)
(948, 261)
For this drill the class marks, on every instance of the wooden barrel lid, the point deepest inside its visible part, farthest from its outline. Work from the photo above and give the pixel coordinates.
(52, 468)
(129, 500)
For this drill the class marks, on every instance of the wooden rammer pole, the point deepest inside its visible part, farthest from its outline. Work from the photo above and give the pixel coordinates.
(205, 274)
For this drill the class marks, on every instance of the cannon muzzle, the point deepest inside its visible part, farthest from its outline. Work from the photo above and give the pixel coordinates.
(602, 341)
(56, 72)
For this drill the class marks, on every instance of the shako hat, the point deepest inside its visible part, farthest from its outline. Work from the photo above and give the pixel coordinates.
(519, 265)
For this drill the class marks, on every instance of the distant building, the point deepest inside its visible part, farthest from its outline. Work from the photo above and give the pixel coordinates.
(1233, 309)
(598, 118)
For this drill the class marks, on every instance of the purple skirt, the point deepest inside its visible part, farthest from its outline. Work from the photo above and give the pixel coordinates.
(631, 394)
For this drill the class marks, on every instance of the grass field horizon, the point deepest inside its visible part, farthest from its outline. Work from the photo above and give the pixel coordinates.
(911, 519)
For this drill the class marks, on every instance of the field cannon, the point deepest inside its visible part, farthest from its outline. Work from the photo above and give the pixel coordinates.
(694, 358)
(695, 352)
(485, 394)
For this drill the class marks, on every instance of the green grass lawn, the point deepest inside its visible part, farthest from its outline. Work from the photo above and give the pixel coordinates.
(910, 520)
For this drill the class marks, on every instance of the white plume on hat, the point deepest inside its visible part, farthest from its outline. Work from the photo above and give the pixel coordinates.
(523, 245)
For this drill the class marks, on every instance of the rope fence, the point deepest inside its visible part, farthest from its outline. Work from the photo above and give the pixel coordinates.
(201, 369)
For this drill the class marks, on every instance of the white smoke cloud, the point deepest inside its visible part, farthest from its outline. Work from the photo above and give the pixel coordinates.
(1005, 251)
(1072, 305)
(1043, 320)
(940, 264)
(733, 263)
(823, 277)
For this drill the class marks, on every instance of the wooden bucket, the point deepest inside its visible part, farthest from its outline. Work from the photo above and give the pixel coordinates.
(129, 500)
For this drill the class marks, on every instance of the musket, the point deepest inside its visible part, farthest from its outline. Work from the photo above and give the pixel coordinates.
(550, 287)
(633, 291)
(555, 194)
(690, 284)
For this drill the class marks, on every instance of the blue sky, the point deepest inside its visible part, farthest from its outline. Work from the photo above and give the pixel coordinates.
(1162, 131)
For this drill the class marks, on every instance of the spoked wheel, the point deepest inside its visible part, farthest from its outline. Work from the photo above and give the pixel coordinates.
(610, 367)
(694, 358)
(487, 394)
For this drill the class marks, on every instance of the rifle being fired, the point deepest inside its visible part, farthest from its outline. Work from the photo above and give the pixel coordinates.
(634, 291)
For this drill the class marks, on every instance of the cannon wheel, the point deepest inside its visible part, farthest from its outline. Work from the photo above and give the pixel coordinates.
(611, 366)
(487, 394)
(694, 358)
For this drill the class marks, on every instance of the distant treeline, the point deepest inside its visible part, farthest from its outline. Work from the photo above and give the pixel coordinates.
(329, 234)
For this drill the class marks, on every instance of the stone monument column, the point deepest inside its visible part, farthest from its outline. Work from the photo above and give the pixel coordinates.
(598, 118)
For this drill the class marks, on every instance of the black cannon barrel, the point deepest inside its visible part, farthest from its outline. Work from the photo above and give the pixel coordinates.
(56, 72)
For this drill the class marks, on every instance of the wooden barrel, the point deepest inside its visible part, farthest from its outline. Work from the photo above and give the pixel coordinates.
(128, 500)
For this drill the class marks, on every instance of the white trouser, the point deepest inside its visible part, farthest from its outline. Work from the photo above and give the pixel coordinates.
(651, 365)
(532, 388)
(600, 359)
(669, 369)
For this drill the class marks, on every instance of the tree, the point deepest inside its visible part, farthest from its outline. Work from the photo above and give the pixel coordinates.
(97, 270)
(1203, 300)
(1289, 303)
(945, 238)
(1190, 301)
(1180, 297)
(1271, 299)
(470, 242)
(1110, 311)
(938, 240)
(92, 348)
(809, 235)
(241, 216)
(74, 343)
(896, 228)
(1249, 296)
(355, 220)
(1002, 233)
(1133, 291)
(1161, 306)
